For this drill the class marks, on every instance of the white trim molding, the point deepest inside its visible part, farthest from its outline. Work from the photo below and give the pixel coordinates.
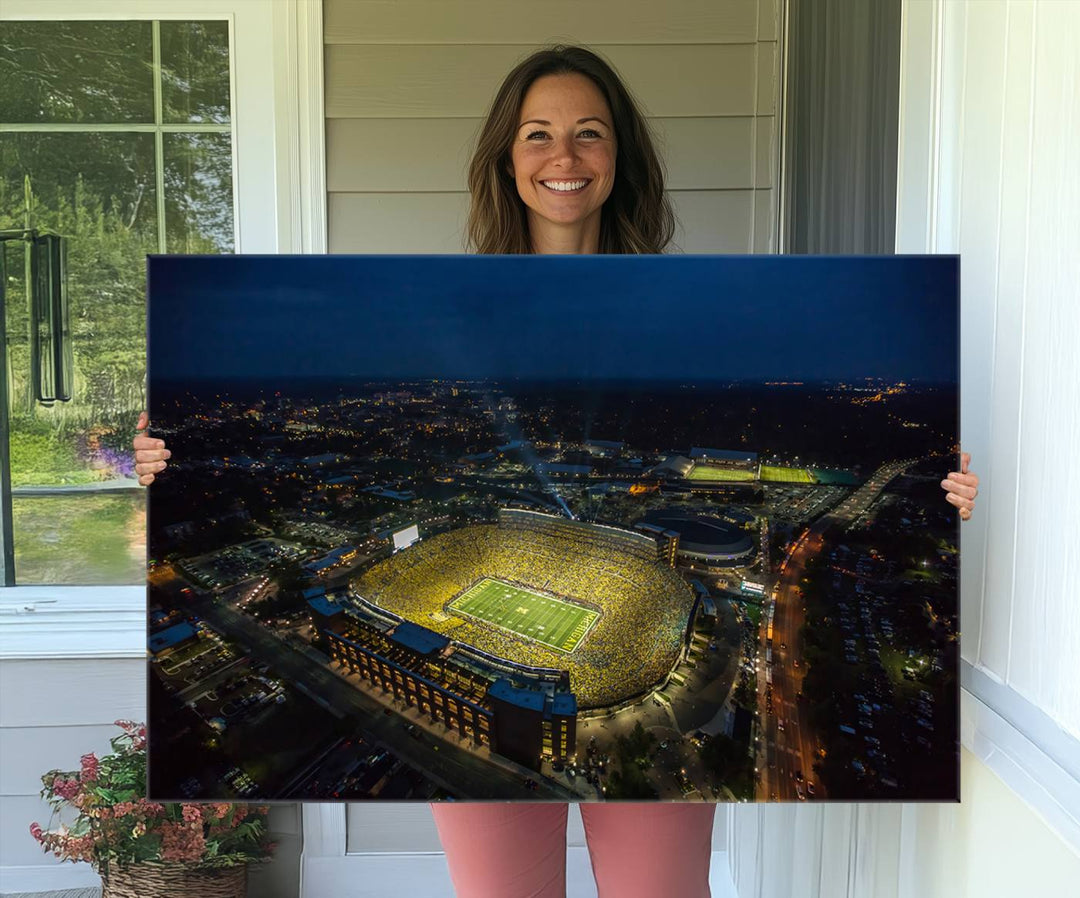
(1034, 757)
(298, 29)
(42, 622)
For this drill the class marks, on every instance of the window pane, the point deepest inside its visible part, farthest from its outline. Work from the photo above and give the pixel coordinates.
(198, 193)
(82, 540)
(195, 71)
(76, 72)
(98, 191)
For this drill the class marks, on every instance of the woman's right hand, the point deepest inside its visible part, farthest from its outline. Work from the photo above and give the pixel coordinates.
(150, 454)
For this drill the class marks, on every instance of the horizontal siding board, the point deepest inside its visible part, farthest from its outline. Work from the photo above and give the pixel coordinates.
(768, 78)
(28, 752)
(432, 154)
(17, 846)
(397, 222)
(765, 216)
(709, 221)
(72, 693)
(713, 221)
(428, 154)
(386, 826)
(765, 150)
(768, 27)
(706, 153)
(523, 22)
(459, 81)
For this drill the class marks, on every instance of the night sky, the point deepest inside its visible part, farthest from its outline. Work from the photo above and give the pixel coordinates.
(685, 318)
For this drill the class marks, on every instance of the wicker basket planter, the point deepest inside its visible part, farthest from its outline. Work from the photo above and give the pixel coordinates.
(151, 880)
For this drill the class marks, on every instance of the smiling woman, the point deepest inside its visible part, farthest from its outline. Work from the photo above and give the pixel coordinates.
(563, 161)
(565, 164)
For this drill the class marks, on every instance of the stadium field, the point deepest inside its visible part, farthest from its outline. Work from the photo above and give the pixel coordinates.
(777, 474)
(719, 475)
(558, 625)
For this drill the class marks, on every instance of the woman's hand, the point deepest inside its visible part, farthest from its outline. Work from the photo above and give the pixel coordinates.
(150, 454)
(961, 488)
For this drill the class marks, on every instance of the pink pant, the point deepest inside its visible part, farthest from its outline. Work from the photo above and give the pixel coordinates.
(516, 850)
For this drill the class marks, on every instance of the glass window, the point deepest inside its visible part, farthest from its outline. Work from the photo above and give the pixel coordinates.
(117, 136)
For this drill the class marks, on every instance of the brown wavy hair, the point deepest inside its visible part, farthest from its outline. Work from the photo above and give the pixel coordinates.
(637, 216)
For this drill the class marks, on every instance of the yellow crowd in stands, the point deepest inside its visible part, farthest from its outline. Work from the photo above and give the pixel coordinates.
(643, 604)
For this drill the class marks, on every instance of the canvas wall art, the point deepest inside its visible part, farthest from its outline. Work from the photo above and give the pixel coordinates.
(553, 528)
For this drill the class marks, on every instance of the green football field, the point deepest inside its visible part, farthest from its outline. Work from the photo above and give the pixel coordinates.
(549, 621)
(714, 473)
(778, 474)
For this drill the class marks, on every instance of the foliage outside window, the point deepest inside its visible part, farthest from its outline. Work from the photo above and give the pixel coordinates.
(116, 135)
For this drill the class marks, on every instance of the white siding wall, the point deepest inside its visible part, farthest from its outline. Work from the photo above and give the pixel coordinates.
(52, 713)
(408, 83)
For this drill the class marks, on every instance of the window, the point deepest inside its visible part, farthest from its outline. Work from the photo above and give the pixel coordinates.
(275, 89)
(117, 136)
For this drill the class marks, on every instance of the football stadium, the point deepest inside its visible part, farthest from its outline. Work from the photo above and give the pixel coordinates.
(716, 467)
(545, 592)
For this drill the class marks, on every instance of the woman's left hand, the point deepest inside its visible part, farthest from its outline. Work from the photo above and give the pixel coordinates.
(961, 488)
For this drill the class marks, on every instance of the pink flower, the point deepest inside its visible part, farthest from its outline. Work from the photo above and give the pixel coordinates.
(89, 767)
(192, 813)
(65, 788)
(181, 842)
(36, 831)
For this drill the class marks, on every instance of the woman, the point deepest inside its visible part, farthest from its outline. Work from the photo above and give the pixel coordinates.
(565, 164)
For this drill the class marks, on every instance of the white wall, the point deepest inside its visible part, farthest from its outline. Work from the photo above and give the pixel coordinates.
(990, 845)
(407, 85)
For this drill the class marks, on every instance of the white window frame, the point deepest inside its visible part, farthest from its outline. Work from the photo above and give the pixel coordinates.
(279, 194)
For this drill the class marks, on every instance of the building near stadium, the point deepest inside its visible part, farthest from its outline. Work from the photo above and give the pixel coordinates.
(728, 456)
(706, 539)
(674, 466)
(667, 541)
(524, 714)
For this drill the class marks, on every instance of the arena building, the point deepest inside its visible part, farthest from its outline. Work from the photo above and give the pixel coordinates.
(706, 539)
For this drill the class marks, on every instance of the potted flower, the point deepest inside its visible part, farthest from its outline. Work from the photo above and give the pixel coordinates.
(145, 848)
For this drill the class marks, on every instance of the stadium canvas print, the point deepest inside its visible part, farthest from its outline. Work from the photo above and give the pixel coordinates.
(553, 528)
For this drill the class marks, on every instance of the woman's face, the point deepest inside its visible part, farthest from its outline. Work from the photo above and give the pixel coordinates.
(563, 154)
